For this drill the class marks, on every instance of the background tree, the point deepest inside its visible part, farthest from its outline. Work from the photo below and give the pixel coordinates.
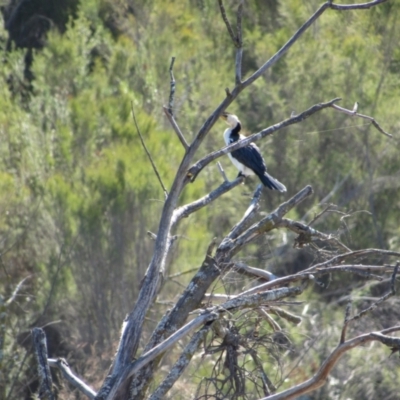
(75, 177)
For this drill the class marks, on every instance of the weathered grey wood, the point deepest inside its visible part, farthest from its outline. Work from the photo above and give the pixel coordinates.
(209, 271)
(40, 349)
(207, 315)
(67, 373)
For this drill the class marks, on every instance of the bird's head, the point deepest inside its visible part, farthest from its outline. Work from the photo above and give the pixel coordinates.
(231, 119)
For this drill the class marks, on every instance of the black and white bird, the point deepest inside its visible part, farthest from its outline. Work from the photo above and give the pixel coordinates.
(248, 160)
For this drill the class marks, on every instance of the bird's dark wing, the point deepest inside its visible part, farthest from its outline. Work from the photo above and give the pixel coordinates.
(251, 157)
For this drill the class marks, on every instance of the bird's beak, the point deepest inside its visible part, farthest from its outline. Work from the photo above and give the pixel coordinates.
(224, 116)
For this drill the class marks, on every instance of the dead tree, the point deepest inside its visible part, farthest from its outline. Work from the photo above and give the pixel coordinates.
(206, 315)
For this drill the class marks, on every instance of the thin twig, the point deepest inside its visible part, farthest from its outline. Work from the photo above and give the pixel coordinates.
(227, 23)
(311, 273)
(268, 386)
(16, 290)
(280, 312)
(178, 274)
(373, 306)
(357, 253)
(148, 154)
(172, 89)
(176, 128)
(319, 215)
(221, 170)
(355, 114)
(270, 321)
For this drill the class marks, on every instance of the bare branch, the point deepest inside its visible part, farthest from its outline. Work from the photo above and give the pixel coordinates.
(244, 269)
(148, 154)
(208, 315)
(248, 215)
(319, 379)
(186, 210)
(212, 314)
(236, 39)
(357, 253)
(373, 306)
(306, 234)
(227, 23)
(172, 89)
(356, 268)
(40, 348)
(355, 114)
(16, 290)
(63, 366)
(280, 312)
(189, 300)
(310, 273)
(196, 168)
(361, 6)
(181, 364)
(283, 50)
(268, 386)
(319, 215)
(268, 223)
(221, 170)
(270, 321)
(176, 128)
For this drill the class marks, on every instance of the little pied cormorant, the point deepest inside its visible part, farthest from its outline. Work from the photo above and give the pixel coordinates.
(248, 160)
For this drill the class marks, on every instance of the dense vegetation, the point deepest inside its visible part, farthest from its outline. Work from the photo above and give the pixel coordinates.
(78, 194)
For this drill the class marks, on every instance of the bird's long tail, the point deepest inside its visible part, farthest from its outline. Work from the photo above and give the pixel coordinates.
(272, 183)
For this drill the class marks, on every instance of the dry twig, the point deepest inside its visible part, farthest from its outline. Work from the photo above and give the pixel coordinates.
(148, 154)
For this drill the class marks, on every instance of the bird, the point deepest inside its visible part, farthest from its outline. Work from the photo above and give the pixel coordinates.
(248, 159)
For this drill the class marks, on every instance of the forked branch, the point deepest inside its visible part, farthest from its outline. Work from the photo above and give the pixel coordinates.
(356, 114)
